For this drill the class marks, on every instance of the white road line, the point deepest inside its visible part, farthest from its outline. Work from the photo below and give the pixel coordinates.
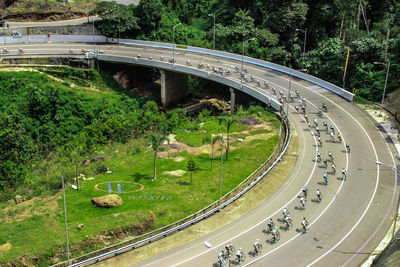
(241, 222)
(388, 210)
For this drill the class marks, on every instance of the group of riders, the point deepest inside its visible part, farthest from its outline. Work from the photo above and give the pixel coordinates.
(287, 220)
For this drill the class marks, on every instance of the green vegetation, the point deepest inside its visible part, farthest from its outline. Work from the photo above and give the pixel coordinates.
(54, 119)
(366, 27)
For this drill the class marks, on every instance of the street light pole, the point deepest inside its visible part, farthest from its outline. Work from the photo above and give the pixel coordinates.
(304, 45)
(220, 169)
(288, 97)
(241, 71)
(384, 88)
(173, 42)
(65, 220)
(214, 30)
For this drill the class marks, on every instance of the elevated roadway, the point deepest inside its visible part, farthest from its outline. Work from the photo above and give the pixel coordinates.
(345, 226)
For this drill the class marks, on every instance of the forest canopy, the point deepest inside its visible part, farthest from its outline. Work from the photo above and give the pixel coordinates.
(370, 28)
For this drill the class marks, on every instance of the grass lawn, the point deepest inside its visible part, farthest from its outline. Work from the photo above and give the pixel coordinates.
(37, 227)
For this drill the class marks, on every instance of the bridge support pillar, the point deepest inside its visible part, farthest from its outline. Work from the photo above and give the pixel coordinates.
(173, 87)
(232, 100)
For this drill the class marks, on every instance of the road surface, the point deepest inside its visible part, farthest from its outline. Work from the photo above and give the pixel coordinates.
(345, 226)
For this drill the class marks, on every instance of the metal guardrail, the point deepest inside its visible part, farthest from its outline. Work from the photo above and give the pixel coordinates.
(208, 211)
(317, 81)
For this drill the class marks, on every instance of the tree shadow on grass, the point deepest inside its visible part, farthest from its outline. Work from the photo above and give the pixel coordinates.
(139, 176)
(183, 183)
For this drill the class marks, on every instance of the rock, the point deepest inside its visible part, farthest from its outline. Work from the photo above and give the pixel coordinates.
(108, 201)
(116, 214)
(90, 179)
(17, 199)
(81, 175)
(80, 226)
(108, 171)
(5, 248)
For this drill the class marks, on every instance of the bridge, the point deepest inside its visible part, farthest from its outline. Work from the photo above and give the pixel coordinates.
(354, 214)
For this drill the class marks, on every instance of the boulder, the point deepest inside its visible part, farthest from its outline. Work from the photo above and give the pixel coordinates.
(80, 226)
(18, 199)
(249, 121)
(90, 179)
(107, 201)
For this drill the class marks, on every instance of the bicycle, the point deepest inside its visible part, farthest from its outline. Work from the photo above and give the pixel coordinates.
(258, 249)
(241, 259)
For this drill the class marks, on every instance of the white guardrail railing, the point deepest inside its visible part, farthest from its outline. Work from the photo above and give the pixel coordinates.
(102, 39)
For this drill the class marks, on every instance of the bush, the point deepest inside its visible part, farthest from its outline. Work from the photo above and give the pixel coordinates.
(101, 168)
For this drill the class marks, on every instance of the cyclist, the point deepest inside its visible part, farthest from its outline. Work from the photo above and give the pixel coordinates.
(303, 201)
(303, 108)
(270, 224)
(348, 147)
(239, 255)
(318, 193)
(257, 247)
(297, 93)
(344, 172)
(320, 141)
(317, 130)
(325, 125)
(332, 136)
(304, 190)
(315, 122)
(297, 108)
(318, 156)
(324, 106)
(339, 137)
(332, 128)
(288, 221)
(330, 156)
(229, 248)
(325, 162)
(285, 212)
(326, 177)
(306, 117)
(304, 223)
(275, 235)
(333, 168)
(221, 258)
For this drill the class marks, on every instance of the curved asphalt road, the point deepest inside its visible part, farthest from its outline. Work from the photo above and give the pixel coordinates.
(353, 216)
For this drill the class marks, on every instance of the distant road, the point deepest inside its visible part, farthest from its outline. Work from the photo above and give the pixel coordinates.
(80, 21)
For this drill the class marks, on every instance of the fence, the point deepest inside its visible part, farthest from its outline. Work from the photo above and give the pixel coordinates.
(208, 211)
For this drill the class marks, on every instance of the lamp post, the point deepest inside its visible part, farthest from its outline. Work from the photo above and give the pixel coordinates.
(173, 42)
(384, 88)
(65, 219)
(304, 45)
(288, 97)
(220, 169)
(241, 71)
(214, 30)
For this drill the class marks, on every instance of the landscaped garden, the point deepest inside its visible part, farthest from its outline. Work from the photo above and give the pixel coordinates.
(104, 136)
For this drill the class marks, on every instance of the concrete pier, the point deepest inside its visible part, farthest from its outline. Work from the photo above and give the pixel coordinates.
(173, 87)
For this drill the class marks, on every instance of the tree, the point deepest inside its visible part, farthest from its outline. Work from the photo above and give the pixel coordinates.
(191, 168)
(149, 13)
(115, 18)
(228, 122)
(211, 141)
(156, 141)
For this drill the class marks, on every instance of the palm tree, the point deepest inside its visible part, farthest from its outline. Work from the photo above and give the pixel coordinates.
(211, 141)
(156, 141)
(228, 121)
